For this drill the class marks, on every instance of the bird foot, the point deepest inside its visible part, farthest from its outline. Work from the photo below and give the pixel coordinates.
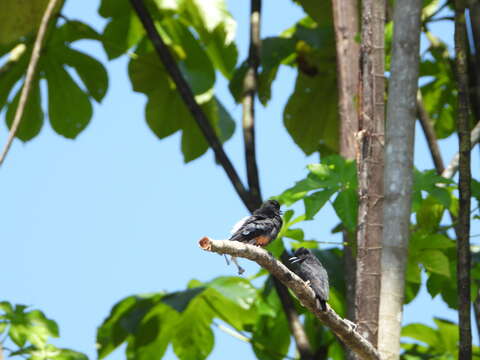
(352, 325)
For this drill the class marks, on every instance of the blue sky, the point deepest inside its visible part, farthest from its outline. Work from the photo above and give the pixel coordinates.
(116, 212)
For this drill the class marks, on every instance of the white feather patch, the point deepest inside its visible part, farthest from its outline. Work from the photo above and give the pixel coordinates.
(238, 225)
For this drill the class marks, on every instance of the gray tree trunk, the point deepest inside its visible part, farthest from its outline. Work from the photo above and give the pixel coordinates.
(399, 141)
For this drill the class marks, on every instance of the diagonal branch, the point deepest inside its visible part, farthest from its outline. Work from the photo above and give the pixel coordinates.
(250, 86)
(189, 99)
(429, 134)
(342, 328)
(29, 78)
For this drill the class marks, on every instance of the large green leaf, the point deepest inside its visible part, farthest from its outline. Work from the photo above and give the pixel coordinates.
(311, 114)
(121, 34)
(124, 320)
(422, 333)
(346, 207)
(91, 71)
(194, 62)
(315, 202)
(32, 120)
(435, 261)
(193, 338)
(10, 77)
(153, 334)
(69, 108)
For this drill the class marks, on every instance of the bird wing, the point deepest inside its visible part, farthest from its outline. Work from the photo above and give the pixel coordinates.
(318, 279)
(238, 225)
(253, 227)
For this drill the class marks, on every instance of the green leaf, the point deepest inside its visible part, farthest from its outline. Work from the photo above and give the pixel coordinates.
(91, 71)
(69, 108)
(32, 120)
(429, 214)
(313, 96)
(236, 289)
(194, 62)
(316, 201)
(346, 206)
(320, 11)
(70, 32)
(193, 337)
(221, 50)
(295, 234)
(449, 335)
(422, 333)
(179, 300)
(226, 124)
(274, 51)
(9, 78)
(153, 334)
(123, 320)
(435, 261)
(67, 354)
(121, 33)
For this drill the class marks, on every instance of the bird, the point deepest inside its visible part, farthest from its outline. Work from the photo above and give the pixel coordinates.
(310, 269)
(259, 229)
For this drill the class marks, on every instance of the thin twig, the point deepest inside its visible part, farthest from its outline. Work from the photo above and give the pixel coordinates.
(463, 228)
(189, 99)
(342, 328)
(250, 86)
(429, 132)
(29, 78)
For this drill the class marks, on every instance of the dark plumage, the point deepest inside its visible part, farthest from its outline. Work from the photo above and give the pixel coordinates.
(311, 270)
(262, 227)
(259, 229)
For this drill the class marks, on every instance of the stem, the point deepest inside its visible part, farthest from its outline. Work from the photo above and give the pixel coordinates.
(429, 134)
(29, 78)
(189, 99)
(463, 240)
(250, 86)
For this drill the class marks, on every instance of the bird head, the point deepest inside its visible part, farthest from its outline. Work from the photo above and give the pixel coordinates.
(269, 208)
(300, 255)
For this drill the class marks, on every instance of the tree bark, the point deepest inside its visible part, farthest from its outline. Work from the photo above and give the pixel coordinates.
(250, 85)
(370, 168)
(345, 19)
(399, 144)
(463, 228)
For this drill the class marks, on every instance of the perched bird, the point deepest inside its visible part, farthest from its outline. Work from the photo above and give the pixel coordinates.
(310, 269)
(260, 229)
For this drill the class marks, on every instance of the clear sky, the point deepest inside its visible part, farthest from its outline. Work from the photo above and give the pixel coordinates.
(116, 212)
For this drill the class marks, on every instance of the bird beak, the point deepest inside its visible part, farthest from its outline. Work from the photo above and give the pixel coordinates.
(294, 260)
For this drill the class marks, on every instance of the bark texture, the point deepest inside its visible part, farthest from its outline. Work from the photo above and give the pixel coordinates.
(250, 86)
(345, 18)
(342, 328)
(463, 227)
(370, 139)
(399, 144)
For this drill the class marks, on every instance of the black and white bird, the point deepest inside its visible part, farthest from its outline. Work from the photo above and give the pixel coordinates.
(310, 269)
(260, 229)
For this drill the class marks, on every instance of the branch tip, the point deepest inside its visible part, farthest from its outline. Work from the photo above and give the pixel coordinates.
(205, 243)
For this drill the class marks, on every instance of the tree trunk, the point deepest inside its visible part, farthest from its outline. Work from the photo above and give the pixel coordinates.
(370, 168)
(399, 142)
(345, 18)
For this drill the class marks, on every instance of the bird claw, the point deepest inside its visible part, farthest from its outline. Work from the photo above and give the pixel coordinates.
(351, 324)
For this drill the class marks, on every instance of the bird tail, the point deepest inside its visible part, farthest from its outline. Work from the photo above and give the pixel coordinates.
(323, 304)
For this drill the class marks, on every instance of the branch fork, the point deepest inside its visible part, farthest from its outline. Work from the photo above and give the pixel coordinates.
(344, 329)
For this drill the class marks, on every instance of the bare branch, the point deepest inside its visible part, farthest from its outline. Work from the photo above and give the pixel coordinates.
(250, 86)
(463, 228)
(342, 328)
(187, 96)
(29, 78)
(429, 134)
